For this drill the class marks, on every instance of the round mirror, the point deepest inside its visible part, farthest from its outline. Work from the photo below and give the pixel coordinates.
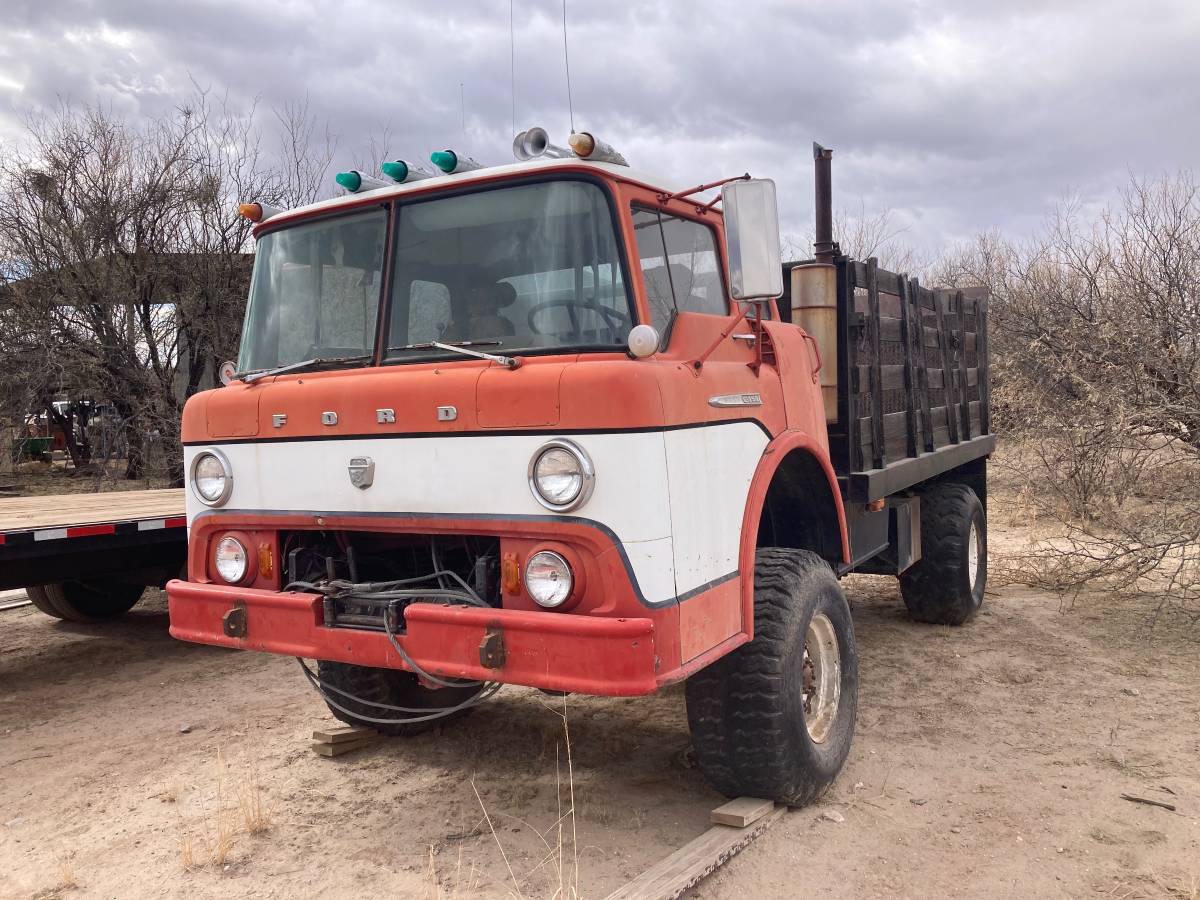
(227, 371)
(643, 341)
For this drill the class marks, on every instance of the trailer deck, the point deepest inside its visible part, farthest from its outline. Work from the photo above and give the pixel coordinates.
(49, 539)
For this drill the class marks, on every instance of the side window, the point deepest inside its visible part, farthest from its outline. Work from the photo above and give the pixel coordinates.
(428, 311)
(680, 266)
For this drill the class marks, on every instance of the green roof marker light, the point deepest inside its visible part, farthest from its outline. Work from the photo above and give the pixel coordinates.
(355, 181)
(451, 163)
(400, 171)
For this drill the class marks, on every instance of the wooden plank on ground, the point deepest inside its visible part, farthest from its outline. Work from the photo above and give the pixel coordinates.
(690, 864)
(343, 733)
(741, 812)
(322, 749)
(59, 511)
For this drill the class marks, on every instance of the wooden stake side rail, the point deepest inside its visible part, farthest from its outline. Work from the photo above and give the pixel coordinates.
(913, 378)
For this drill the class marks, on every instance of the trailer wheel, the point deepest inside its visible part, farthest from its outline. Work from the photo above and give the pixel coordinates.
(86, 600)
(775, 718)
(393, 687)
(945, 587)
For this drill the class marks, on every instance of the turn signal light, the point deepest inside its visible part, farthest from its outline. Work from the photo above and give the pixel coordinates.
(510, 573)
(266, 560)
(257, 212)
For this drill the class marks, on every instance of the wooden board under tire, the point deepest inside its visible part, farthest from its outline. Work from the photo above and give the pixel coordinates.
(688, 865)
(741, 812)
(61, 511)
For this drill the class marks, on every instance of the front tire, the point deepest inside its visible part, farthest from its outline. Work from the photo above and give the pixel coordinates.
(86, 600)
(392, 687)
(945, 587)
(775, 718)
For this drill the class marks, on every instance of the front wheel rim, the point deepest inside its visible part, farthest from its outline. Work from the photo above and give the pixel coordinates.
(822, 677)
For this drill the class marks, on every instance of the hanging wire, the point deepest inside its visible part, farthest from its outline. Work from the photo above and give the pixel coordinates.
(396, 592)
(567, 64)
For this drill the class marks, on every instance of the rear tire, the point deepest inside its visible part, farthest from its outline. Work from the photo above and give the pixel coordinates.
(945, 587)
(393, 687)
(86, 600)
(775, 718)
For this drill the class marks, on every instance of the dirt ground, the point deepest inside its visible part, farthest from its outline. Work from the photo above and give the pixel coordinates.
(990, 761)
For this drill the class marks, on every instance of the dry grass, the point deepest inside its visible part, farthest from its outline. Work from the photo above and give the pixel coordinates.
(66, 873)
(257, 817)
(208, 839)
(559, 839)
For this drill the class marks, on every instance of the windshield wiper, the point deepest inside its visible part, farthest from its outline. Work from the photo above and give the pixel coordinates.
(463, 347)
(251, 377)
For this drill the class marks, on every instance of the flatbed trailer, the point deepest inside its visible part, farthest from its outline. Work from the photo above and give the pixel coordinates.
(87, 557)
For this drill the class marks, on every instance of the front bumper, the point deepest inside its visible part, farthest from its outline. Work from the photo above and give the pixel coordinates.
(554, 651)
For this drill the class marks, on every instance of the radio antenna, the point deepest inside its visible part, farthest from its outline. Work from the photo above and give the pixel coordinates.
(512, 60)
(567, 65)
(462, 102)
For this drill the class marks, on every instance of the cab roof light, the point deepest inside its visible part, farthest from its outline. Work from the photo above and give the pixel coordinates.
(451, 163)
(401, 171)
(355, 181)
(586, 146)
(257, 212)
(535, 142)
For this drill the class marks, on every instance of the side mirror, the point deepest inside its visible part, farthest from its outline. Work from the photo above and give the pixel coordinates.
(752, 239)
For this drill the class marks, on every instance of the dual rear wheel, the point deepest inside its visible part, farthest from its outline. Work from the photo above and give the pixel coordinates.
(86, 600)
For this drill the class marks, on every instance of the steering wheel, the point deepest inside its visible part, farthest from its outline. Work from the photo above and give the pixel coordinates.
(614, 318)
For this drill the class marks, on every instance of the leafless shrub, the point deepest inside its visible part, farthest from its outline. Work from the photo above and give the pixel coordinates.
(1095, 336)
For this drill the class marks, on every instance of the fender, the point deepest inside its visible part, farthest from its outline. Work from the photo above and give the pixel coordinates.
(773, 455)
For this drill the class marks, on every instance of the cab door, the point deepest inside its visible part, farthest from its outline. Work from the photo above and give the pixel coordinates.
(721, 409)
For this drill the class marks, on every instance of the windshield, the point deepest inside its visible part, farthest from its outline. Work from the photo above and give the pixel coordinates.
(520, 268)
(315, 292)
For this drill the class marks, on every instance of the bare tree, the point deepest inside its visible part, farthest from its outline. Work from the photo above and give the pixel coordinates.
(1095, 336)
(862, 235)
(127, 265)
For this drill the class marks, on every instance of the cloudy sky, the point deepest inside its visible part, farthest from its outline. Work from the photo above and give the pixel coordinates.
(959, 116)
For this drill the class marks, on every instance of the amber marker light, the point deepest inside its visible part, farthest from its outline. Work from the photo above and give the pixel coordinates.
(510, 573)
(582, 144)
(266, 561)
(257, 212)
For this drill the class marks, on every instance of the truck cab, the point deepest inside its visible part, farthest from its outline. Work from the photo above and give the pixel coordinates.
(513, 425)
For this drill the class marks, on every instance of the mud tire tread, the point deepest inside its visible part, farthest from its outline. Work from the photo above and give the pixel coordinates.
(747, 726)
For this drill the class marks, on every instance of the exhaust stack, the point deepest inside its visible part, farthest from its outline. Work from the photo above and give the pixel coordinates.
(824, 247)
(814, 285)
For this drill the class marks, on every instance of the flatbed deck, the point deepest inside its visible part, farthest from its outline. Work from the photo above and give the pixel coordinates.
(19, 514)
(51, 538)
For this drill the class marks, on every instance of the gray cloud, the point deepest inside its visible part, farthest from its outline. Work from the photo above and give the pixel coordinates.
(960, 117)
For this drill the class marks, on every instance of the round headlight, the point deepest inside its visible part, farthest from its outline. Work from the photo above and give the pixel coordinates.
(212, 477)
(561, 475)
(548, 579)
(230, 559)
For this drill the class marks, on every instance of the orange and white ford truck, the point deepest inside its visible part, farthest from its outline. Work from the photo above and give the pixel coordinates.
(564, 425)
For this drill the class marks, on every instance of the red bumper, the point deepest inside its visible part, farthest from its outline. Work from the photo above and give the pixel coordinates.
(555, 651)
